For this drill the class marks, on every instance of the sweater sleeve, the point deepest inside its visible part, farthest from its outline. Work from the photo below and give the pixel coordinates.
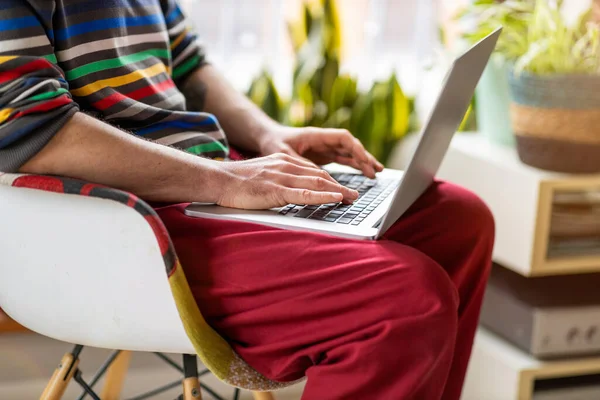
(186, 53)
(34, 96)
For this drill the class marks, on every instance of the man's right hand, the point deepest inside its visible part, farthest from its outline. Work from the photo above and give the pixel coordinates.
(277, 180)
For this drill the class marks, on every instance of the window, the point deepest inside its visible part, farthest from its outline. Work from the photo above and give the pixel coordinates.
(243, 36)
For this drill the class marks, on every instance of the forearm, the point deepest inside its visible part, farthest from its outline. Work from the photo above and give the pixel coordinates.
(246, 125)
(88, 149)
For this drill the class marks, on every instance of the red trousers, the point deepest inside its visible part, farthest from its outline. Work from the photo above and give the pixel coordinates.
(389, 319)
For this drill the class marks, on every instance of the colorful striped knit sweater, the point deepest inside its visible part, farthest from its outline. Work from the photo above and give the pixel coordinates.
(120, 60)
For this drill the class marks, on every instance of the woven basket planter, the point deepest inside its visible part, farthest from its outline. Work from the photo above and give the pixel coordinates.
(556, 121)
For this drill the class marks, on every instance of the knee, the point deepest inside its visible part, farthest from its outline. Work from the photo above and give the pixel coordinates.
(426, 295)
(472, 218)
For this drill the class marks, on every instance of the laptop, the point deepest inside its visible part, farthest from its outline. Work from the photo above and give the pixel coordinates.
(382, 200)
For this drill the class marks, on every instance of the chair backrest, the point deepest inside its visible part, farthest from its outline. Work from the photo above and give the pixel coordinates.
(85, 270)
(95, 266)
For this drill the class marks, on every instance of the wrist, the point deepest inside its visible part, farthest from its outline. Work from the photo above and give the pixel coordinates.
(266, 134)
(211, 179)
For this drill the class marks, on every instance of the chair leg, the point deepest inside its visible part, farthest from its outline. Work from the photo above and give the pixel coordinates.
(55, 389)
(191, 383)
(263, 396)
(115, 376)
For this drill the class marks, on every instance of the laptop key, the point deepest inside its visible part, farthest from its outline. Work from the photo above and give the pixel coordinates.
(304, 213)
(330, 219)
(345, 221)
(355, 223)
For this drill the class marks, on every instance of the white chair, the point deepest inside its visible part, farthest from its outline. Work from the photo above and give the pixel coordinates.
(89, 271)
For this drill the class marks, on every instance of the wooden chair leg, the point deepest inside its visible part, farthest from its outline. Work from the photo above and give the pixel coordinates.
(263, 396)
(191, 389)
(191, 383)
(60, 378)
(115, 376)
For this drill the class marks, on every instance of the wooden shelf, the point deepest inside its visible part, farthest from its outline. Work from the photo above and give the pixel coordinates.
(500, 371)
(520, 198)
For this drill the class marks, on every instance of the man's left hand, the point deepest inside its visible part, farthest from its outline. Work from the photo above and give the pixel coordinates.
(321, 146)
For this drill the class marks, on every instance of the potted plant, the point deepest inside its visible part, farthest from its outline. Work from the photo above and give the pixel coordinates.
(322, 96)
(554, 79)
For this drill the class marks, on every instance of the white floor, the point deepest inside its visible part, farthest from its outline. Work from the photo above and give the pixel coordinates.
(28, 360)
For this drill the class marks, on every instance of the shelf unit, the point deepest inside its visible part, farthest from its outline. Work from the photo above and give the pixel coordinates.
(519, 196)
(500, 371)
(522, 200)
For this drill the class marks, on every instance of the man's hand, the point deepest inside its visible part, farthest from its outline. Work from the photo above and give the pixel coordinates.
(321, 146)
(277, 180)
(249, 128)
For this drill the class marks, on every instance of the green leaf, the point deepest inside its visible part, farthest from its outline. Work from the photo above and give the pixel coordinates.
(333, 36)
(343, 92)
(398, 109)
(339, 119)
(300, 109)
(329, 73)
(536, 37)
(263, 93)
(361, 115)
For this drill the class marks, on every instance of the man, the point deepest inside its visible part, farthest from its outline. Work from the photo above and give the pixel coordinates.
(392, 319)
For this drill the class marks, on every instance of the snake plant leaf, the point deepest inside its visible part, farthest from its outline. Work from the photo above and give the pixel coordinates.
(264, 94)
(308, 18)
(361, 117)
(329, 72)
(380, 125)
(300, 109)
(343, 92)
(339, 119)
(319, 113)
(398, 109)
(298, 30)
(467, 121)
(333, 36)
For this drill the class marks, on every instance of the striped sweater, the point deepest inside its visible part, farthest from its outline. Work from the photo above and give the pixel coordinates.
(119, 60)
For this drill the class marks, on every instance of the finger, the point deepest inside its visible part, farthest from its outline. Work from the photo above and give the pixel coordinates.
(376, 164)
(366, 168)
(342, 141)
(349, 161)
(359, 151)
(300, 161)
(310, 197)
(318, 184)
(292, 153)
(303, 171)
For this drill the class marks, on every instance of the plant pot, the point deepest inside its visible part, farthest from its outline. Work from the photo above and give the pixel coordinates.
(556, 121)
(493, 103)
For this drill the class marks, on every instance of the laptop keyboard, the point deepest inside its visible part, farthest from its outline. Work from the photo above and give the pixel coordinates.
(371, 193)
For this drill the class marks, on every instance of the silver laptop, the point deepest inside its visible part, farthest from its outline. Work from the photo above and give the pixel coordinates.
(382, 200)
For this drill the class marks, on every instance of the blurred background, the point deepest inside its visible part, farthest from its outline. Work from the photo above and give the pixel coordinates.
(529, 146)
